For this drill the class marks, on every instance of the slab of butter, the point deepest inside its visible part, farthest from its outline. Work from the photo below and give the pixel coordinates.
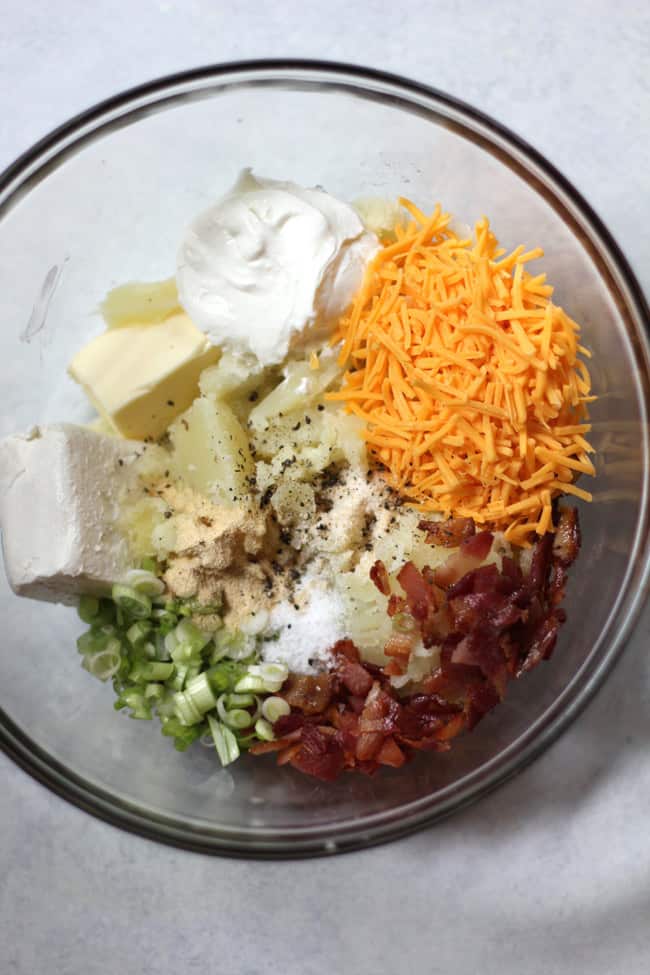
(60, 493)
(140, 377)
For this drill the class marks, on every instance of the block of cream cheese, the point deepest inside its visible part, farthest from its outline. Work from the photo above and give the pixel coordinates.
(60, 489)
(140, 377)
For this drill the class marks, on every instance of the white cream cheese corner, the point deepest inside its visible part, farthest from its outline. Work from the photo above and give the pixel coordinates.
(60, 488)
(271, 266)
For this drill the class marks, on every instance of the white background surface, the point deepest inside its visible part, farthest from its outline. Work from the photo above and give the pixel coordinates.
(549, 875)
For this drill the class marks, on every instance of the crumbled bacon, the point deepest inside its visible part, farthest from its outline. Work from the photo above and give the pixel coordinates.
(449, 533)
(311, 695)
(566, 542)
(471, 553)
(318, 754)
(379, 575)
(491, 626)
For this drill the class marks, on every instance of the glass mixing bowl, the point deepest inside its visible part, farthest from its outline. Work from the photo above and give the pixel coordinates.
(103, 200)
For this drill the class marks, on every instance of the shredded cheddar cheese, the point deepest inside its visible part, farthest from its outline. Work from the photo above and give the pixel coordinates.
(467, 377)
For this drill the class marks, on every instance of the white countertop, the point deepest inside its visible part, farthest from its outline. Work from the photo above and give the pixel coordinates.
(550, 874)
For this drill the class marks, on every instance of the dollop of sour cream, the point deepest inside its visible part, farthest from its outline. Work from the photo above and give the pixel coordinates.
(271, 265)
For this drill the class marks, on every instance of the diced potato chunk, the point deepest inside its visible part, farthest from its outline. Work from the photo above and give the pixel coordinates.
(233, 374)
(210, 451)
(142, 303)
(298, 390)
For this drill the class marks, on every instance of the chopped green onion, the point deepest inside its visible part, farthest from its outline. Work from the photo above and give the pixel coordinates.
(105, 663)
(171, 642)
(240, 700)
(95, 640)
(134, 699)
(165, 704)
(250, 682)
(149, 564)
(189, 634)
(183, 735)
(233, 644)
(237, 718)
(224, 676)
(144, 582)
(404, 623)
(142, 673)
(271, 673)
(165, 620)
(186, 710)
(88, 608)
(224, 741)
(264, 730)
(160, 648)
(106, 613)
(130, 601)
(177, 682)
(138, 632)
(154, 692)
(199, 690)
(274, 708)
(149, 650)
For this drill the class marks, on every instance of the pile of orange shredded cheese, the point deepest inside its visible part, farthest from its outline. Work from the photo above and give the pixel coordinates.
(467, 377)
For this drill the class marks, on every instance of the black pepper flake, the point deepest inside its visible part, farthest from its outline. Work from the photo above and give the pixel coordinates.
(266, 497)
(297, 426)
(307, 420)
(170, 402)
(320, 407)
(285, 536)
(120, 462)
(168, 514)
(253, 396)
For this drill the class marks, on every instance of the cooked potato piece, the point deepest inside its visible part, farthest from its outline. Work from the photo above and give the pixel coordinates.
(210, 451)
(232, 375)
(299, 389)
(366, 619)
(142, 303)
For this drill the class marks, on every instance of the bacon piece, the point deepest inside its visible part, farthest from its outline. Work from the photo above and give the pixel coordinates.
(346, 648)
(395, 605)
(542, 643)
(540, 565)
(419, 597)
(390, 754)
(310, 694)
(422, 604)
(449, 533)
(567, 540)
(377, 720)
(379, 575)
(394, 668)
(319, 754)
(400, 645)
(469, 556)
(355, 677)
(285, 756)
(287, 724)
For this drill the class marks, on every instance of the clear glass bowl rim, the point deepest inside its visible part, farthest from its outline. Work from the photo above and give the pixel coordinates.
(124, 108)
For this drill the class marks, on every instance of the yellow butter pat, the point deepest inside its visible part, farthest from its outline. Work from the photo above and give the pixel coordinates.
(140, 377)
